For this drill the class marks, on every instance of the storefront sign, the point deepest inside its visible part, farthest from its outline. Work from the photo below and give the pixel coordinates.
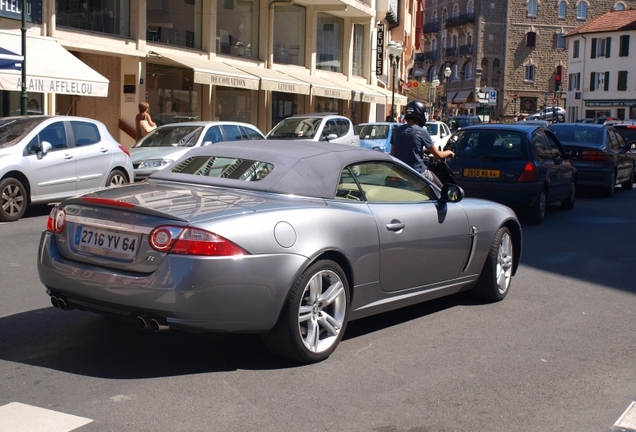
(51, 85)
(379, 56)
(284, 87)
(331, 93)
(226, 80)
(611, 103)
(129, 83)
(12, 9)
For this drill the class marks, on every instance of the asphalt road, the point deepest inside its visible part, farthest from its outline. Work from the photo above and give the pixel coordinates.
(556, 355)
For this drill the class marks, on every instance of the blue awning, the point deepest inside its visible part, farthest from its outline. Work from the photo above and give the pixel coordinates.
(10, 60)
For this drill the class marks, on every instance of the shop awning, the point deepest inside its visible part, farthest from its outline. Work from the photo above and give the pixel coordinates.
(274, 80)
(450, 96)
(211, 72)
(363, 93)
(400, 100)
(324, 88)
(50, 68)
(463, 96)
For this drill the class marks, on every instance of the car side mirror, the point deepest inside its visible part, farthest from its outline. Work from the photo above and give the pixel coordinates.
(452, 193)
(206, 143)
(330, 137)
(45, 147)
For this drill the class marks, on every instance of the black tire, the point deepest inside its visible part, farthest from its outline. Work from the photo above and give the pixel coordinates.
(494, 283)
(629, 183)
(116, 178)
(306, 314)
(536, 213)
(608, 190)
(568, 202)
(13, 200)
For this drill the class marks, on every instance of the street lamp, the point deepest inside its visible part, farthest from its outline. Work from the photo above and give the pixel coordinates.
(447, 74)
(395, 50)
(434, 85)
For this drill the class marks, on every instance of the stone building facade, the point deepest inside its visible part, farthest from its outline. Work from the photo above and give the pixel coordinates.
(514, 47)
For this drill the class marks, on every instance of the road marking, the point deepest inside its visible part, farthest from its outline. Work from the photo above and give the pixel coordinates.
(17, 417)
(626, 422)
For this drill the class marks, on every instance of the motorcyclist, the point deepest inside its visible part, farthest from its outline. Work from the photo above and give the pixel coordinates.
(410, 140)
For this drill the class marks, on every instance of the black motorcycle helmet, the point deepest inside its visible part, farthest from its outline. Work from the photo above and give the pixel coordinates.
(417, 111)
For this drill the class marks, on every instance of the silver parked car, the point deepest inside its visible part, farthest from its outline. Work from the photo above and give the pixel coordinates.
(333, 128)
(168, 143)
(288, 240)
(49, 158)
(548, 114)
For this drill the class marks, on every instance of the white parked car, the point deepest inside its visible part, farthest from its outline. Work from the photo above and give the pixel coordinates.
(169, 142)
(46, 159)
(316, 127)
(439, 132)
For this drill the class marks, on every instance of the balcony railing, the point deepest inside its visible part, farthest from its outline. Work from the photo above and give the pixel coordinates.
(451, 52)
(466, 49)
(432, 27)
(460, 20)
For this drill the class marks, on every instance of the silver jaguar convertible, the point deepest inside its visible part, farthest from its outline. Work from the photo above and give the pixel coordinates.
(290, 241)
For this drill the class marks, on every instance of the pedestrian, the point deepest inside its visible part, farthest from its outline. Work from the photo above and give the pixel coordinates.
(34, 106)
(143, 121)
(410, 140)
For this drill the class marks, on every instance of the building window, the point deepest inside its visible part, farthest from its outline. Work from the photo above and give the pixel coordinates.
(599, 81)
(358, 44)
(619, 6)
(432, 74)
(174, 22)
(235, 104)
(529, 73)
(622, 81)
(289, 35)
(456, 11)
(454, 73)
(575, 48)
(171, 93)
(468, 71)
(581, 11)
(574, 81)
(329, 30)
(624, 48)
(112, 17)
(563, 8)
(532, 8)
(237, 28)
(435, 18)
(444, 16)
(470, 7)
(601, 47)
(531, 39)
(559, 41)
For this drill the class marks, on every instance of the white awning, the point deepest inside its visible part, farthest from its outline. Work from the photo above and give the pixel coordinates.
(363, 93)
(324, 88)
(211, 72)
(274, 80)
(50, 68)
(400, 100)
(462, 96)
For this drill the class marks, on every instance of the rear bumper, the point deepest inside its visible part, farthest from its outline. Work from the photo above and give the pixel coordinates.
(593, 176)
(202, 294)
(511, 194)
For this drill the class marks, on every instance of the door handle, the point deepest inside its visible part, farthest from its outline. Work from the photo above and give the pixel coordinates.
(103, 150)
(395, 225)
(68, 156)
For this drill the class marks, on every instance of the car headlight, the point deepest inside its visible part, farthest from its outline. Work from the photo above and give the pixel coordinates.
(157, 163)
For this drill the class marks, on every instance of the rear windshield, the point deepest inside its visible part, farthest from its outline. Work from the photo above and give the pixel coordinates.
(224, 167)
(293, 127)
(13, 130)
(579, 135)
(491, 143)
(372, 132)
(172, 136)
(627, 132)
(431, 128)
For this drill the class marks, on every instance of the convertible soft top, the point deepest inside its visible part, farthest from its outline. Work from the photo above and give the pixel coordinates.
(300, 168)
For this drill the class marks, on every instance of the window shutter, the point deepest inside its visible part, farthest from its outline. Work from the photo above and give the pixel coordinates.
(608, 44)
(592, 81)
(624, 49)
(593, 48)
(606, 86)
(578, 81)
(531, 39)
(555, 42)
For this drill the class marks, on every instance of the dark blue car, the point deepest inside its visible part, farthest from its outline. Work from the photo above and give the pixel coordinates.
(521, 166)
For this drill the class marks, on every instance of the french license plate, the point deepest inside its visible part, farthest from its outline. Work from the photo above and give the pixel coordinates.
(105, 242)
(481, 173)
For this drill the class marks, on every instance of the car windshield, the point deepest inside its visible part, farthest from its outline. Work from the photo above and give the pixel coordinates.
(13, 130)
(478, 143)
(579, 135)
(432, 128)
(172, 136)
(296, 127)
(224, 167)
(456, 123)
(371, 132)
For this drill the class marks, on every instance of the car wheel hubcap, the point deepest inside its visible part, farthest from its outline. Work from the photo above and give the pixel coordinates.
(322, 311)
(117, 180)
(504, 263)
(12, 200)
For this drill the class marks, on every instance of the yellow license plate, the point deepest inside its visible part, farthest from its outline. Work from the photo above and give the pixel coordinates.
(481, 173)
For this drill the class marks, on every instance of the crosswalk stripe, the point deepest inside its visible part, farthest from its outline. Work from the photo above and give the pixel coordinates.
(18, 417)
(626, 422)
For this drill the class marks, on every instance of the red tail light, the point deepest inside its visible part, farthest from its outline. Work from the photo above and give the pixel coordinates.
(593, 155)
(192, 241)
(56, 221)
(108, 201)
(529, 173)
(124, 149)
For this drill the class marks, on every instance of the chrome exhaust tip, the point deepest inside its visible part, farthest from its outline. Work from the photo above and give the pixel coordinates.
(157, 326)
(55, 302)
(143, 323)
(61, 303)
